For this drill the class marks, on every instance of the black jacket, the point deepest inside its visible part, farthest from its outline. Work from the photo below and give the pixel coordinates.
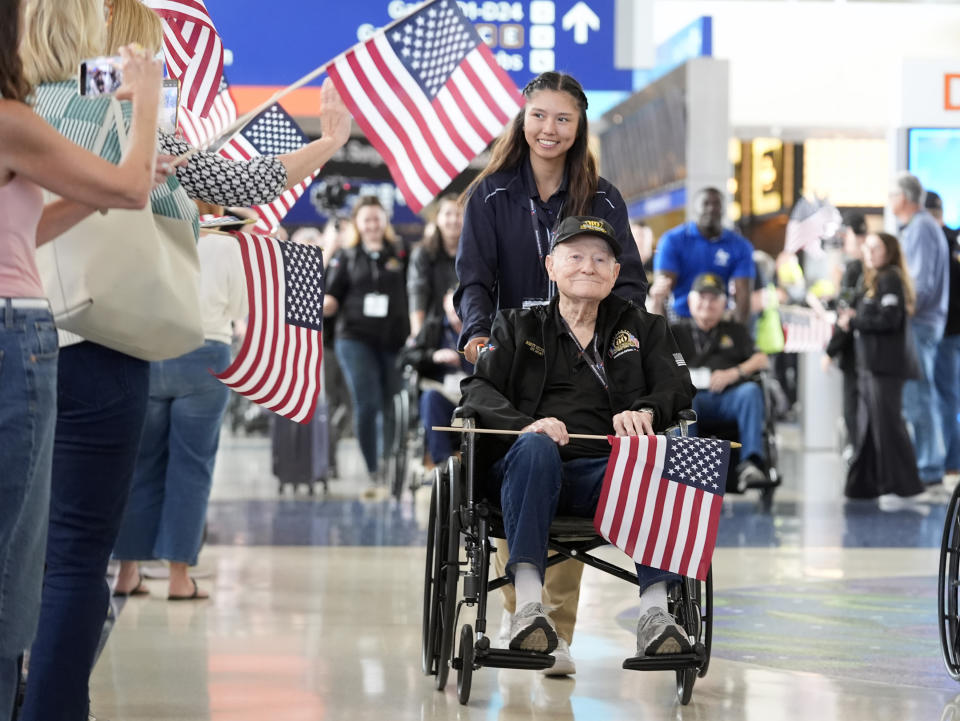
(351, 275)
(641, 360)
(881, 329)
(498, 261)
(729, 344)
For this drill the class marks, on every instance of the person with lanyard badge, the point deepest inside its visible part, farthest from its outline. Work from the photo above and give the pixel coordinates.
(366, 291)
(541, 170)
(705, 246)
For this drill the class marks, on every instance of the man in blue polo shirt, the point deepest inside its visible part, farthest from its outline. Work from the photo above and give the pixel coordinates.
(690, 249)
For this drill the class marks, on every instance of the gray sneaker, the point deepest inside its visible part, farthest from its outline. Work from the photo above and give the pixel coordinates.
(659, 634)
(532, 629)
(749, 475)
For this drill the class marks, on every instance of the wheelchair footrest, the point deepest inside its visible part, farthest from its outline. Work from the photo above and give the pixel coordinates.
(667, 662)
(506, 658)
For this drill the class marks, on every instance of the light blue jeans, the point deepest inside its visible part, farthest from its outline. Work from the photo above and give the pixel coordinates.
(920, 406)
(373, 379)
(28, 413)
(744, 404)
(167, 508)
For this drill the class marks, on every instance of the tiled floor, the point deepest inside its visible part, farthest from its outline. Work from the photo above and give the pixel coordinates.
(824, 610)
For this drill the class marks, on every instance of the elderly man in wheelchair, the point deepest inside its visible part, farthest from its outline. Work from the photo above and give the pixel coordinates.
(723, 362)
(587, 362)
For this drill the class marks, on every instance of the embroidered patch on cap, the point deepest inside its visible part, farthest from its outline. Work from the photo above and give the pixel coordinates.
(623, 342)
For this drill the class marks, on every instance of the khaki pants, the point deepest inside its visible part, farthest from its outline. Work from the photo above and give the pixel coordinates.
(561, 590)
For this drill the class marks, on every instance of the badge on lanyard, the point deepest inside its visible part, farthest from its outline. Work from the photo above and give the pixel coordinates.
(376, 305)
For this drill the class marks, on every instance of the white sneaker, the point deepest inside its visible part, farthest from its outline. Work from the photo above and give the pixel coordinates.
(919, 503)
(506, 624)
(563, 664)
(659, 634)
(532, 629)
(951, 479)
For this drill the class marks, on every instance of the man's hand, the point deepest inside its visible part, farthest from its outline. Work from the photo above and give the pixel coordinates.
(633, 423)
(471, 350)
(446, 356)
(720, 379)
(553, 427)
(662, 285)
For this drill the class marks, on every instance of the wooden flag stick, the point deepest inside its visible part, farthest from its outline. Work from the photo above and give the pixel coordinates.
(584, 436)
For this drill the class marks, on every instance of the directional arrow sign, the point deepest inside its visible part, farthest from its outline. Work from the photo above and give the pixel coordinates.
(582, 19)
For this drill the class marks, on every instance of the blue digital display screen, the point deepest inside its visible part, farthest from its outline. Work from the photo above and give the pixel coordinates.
(933, 155)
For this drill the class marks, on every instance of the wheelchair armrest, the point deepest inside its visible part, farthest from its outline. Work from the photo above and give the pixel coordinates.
(687, 414)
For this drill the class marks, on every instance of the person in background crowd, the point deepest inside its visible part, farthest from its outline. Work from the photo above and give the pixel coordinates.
(841, 347)
(34, 156)
(884, 464)
(103, 394)
(705, 246)
(946, 369)
(643, 236)
(366, 290)
(167, 507)
(721, 357)
(433, 264)
(541, 170)
(925, 252)
(434, 355)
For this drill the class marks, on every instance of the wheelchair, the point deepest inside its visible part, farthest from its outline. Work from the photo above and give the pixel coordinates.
(408, 437)
(948, 588)
(459, 515)
(728, 431)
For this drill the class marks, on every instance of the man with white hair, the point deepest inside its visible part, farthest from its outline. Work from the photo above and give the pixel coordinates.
(925, 250)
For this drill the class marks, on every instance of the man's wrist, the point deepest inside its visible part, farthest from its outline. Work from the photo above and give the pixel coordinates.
(648, 409)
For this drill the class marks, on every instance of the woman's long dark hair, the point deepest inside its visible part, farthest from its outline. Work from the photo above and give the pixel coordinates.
(897, 263)
(511, 149)
(13, 85)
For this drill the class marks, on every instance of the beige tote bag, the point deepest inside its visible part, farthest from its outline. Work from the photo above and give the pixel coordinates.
(128, 280)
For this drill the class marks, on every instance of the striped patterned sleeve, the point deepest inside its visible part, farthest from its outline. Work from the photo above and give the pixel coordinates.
(218, 180)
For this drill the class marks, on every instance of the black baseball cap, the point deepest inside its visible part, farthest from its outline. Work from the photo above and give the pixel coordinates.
(932, 201)
(577, 225)
(709, 283)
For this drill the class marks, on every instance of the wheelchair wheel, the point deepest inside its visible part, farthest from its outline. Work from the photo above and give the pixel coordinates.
(693, 610)
(447, 549)
(401, 425)
(465, 673)
(948, 588)
(431, 597)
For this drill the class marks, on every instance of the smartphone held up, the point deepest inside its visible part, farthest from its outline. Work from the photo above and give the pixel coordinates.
(104, 75)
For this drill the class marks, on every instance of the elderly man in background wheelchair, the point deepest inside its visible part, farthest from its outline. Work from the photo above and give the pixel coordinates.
(588, 362)
(722, 358)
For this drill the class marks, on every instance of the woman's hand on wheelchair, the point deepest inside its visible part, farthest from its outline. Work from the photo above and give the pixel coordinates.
(552, 427)
(633, 423)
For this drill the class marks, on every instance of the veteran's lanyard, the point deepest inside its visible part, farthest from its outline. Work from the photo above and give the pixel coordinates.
(594, 359)
(544, 248)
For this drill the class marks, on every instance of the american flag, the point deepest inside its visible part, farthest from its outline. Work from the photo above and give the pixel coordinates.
(198, 130)
(279, 363)
(661, 498)
(429, 95)
(273, 132)
(804, 330)
(193, 51)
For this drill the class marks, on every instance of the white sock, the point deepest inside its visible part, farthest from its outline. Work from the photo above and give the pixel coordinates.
(527, 584)
(655, 595)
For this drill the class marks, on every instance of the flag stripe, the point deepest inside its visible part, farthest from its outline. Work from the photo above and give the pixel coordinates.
(480, 85)
(611, 482)
(465, 127)
(276, 330)
(508, 96)
(699, 540)
(623, 491)
(711, 538)
(468, 112)
(684, 511)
